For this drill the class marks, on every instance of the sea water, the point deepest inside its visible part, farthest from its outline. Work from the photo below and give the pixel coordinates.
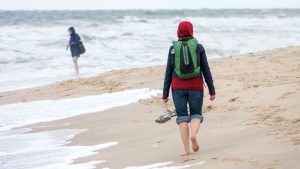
(45, 150)
(20, 114)
(32, 43)
(20, 149)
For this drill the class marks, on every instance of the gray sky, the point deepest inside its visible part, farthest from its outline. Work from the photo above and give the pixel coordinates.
(145, 4)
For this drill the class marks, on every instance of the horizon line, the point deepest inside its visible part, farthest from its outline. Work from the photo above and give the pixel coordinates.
(150, 9)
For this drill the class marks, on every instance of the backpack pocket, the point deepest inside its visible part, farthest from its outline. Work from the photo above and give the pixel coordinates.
(186, 61)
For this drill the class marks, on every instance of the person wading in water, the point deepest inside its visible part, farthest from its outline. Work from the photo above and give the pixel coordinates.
(73, 45)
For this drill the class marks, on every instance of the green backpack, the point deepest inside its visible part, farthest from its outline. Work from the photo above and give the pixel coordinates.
(186, 62)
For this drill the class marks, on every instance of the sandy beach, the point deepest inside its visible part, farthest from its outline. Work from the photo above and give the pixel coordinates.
(254, 123)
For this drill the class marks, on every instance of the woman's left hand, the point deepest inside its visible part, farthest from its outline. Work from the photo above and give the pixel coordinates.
(212, 97)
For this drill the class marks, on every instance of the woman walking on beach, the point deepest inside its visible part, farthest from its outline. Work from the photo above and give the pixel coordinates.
(73, 45)
(187, 65)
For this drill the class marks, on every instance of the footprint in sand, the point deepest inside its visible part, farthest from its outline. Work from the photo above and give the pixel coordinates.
(233, 99)
(213, 158)
(287, 95)
(296, 121)
(234, 160)
(208, 108)
(187, 160)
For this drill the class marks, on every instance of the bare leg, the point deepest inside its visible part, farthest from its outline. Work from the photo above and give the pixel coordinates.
(76, 67)
(195, 125)
(184, 132)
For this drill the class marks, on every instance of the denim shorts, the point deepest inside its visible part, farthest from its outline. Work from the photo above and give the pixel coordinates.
(188, 98)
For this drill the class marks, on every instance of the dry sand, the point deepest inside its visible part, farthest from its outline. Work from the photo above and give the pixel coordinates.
(253, 124)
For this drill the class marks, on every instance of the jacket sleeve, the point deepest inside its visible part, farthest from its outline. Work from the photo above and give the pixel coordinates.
(206, 71)
(168, 76)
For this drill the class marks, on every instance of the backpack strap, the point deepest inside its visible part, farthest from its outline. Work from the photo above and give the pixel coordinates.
(172, 55)
(198, 54)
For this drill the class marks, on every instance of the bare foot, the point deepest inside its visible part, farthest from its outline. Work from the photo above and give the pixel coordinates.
(186, 154)
(195, 145)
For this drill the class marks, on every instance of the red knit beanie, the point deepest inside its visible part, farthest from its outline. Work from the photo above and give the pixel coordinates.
(185, 29)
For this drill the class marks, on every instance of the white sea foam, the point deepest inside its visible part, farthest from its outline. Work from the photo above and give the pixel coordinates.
(22, 150)
(20, 114)
(33, 51)
(45, 150)
(165, 165)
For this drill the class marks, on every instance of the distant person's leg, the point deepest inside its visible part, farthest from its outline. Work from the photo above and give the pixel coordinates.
(195, 99)
(76, 66)
(180, 102)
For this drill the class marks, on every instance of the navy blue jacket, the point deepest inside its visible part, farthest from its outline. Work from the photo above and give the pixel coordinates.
(74, 40)
(205, 71)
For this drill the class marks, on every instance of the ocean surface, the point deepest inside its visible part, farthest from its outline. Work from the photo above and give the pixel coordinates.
(20, 149)
(32, 43)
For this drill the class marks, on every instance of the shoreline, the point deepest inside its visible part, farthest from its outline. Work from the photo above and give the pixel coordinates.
(90, 85)
(255, 115)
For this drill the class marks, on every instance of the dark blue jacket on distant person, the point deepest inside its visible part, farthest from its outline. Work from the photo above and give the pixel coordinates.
(74, 40)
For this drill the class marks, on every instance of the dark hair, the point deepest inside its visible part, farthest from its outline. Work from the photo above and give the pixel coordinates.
(72, 29)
